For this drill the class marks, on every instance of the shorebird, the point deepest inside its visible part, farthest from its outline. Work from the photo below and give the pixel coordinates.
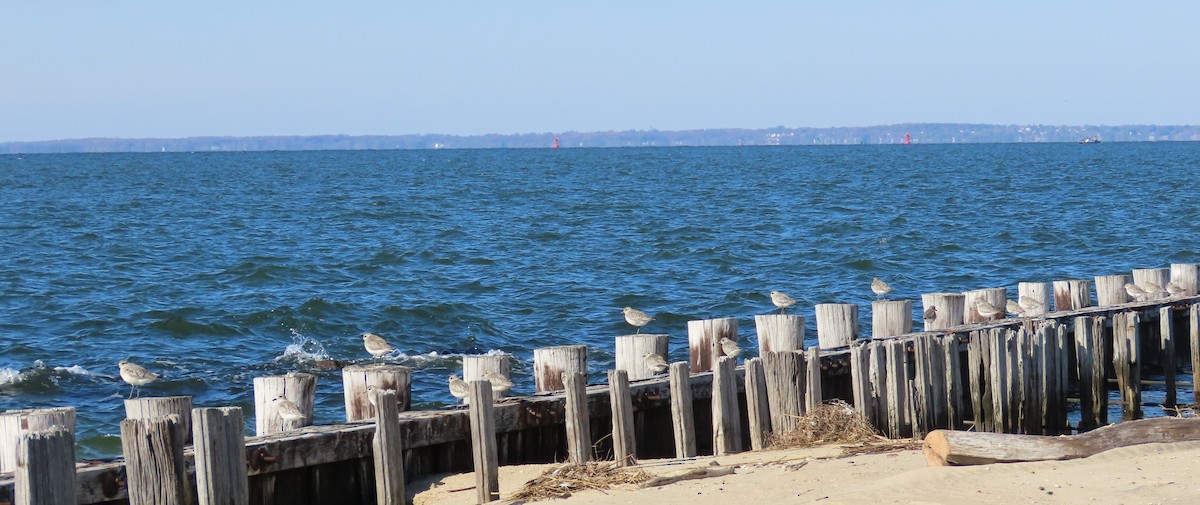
(500, 383)
(376, 345)
(135, 376)
(930, 314)
(782, 301)
(1014, 308)
(1029, 304)
(987, 310)
(655, 362)
(287, 409)
(371, 396)
(1175, 289)
(880, 288)
(730, 348)
(1153, 290)
(636, 317)
(459, 389)
(1136, 292)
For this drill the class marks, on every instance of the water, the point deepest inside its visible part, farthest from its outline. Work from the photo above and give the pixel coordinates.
(215, 268)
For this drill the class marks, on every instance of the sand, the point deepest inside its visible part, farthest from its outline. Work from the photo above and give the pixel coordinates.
(1150, 473)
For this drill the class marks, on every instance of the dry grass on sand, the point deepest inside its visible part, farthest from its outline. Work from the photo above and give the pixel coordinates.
(561, 481)
(836, 423)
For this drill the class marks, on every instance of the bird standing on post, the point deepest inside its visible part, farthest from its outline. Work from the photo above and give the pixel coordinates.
(730, 348)
(655, 362)
(987, 310)
(1014, 308)
(782, 301)
(636, 317)
(376, 345)
(135, 376)
(1029, 304)
(1175, 289)
(930, 314)
(500, 383)
(459, 389)
(287, 410)
(1154, 290)
(880, 288)
(1136, 292)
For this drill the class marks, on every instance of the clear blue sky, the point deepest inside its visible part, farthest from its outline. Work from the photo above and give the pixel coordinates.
(74, 69)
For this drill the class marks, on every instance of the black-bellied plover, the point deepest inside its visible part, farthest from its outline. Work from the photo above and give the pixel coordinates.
(287, 410)
(1029, 304)
(500, 383)
(729, 347)
(655, 362)
(987, 310)
(782, 300)
(1014, 308)
(135, 376)
(1136, 292)
(636, 317)
(459, 389)
(1175, 289)
(930, 314)
(880, 288)
(376, 345)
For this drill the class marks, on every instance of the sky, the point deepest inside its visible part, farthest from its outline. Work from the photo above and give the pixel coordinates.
(76, 69)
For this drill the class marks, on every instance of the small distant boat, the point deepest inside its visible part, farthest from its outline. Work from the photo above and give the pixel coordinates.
(1094, 139)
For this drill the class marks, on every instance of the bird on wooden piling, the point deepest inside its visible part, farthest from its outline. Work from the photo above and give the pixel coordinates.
(930, 314)
(730, 348)
(1153, 290)
(1014, 308)
(655, 362)
(287, 409)
(782, 301)
(376, 345)
(880, 288)
(987, 310)
(1136, 292)
(500, 383)
(1175, 289)
(370, 392)
(636, 317)
(136, 376)
(459, 389)
(1029, 304)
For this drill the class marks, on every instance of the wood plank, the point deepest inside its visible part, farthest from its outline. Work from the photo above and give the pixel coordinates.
(624, 443)
(355, 381)
(298, 388)
(785, 394)
(154, 468)
(779, 332)
(387, 450)
(726, 417)
(550, 363)
(812, 379)
(14, 423)
(1166, 335)
(159, 407)
(758, 410)
(579, 431)
(682, 418)
(483, 438)
(220, 456)
(45, 467)
(889, 318)
(837, 324)
(1194, 340)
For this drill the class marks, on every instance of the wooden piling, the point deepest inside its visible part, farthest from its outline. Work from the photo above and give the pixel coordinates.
(154, 466)
(682, 417)
(550, 363)
(631, 350)
(296, 387)
(978, 365)
(1194, 340)
(891, 317)
(837, 324)
(388, 451)
(950, 309)
(483, 440)
(785, 375)
(356, 378)
(812, 379)
(925, 399)
(1186, 276)
(1160, 277)
(1072, 295)
(860, 382)
(14, 423)
(779, 332)
(220, 456)
(158, 407)
(1127, 362)
(704, 337)
(1166, 336)
(579, 438)
(953, 362)
(758, 410)
(1040, 292)
(898, 390)
(726, 417)
(878, 379)
(45, 467)
(1090, 359)
(624, 442)
(1110, 290)
(998, 297)
(476, 366)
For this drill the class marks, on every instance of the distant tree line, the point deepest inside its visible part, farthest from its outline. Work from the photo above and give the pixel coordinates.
(923, 133)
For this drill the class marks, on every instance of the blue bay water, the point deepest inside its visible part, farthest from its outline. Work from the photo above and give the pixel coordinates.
(215, 268)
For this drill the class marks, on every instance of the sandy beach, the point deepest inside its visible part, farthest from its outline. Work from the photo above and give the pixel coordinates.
(1150, 473)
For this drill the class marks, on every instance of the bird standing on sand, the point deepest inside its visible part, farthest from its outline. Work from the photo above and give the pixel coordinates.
(636, 317)
(500, 383)
(730, 348)
(1014, 308)
(459, 389)
(287, 410)
(1029, 304)
(930, 314)
(376, 345)
(1136, 292)
(135, 376)
(880, 288)
(782, 301)
(1175, 289)
(655, 362)
(987, 310)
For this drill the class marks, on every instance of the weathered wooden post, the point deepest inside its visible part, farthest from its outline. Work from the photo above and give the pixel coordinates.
(1127, 362)
(476, 366)
(296, 387)
(631, 350)
(483, 442)
(786, 375)
(779, 332)
(682, 417)
(1090, 359)
(758, 410)
(899, 400)
(1186, 276)
(14, 423)
(953, 361)
(949, 309)
(388, 450)
(220, 456)
(860, 380)
(624, 442)
(154, 468)
(704, 337)
(726, 418)
(579, 438)
(356, 378)
(1158, 277)
(550, 363)
(1040, 292)
(159, 407)
(1072, 295)
(45, 467)
(812, 379)
(837, 324)
(1194, 339)
(890, 318)
(929, 397)
(1110, 290)
(1166, 335)
(997, 297)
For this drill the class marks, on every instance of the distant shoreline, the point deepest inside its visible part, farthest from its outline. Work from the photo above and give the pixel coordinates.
(920, 133)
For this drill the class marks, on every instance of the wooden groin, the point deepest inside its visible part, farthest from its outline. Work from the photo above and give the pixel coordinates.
(1004, 375)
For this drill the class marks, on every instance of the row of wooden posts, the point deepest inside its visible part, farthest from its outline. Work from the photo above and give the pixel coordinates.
(1012, 377)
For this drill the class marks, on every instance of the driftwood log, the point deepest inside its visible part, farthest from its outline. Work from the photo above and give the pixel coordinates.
(949, 447)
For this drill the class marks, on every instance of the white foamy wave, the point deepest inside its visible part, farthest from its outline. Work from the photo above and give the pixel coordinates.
(303, 348)
(81, 371)
(9, 376)
(434, 357)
